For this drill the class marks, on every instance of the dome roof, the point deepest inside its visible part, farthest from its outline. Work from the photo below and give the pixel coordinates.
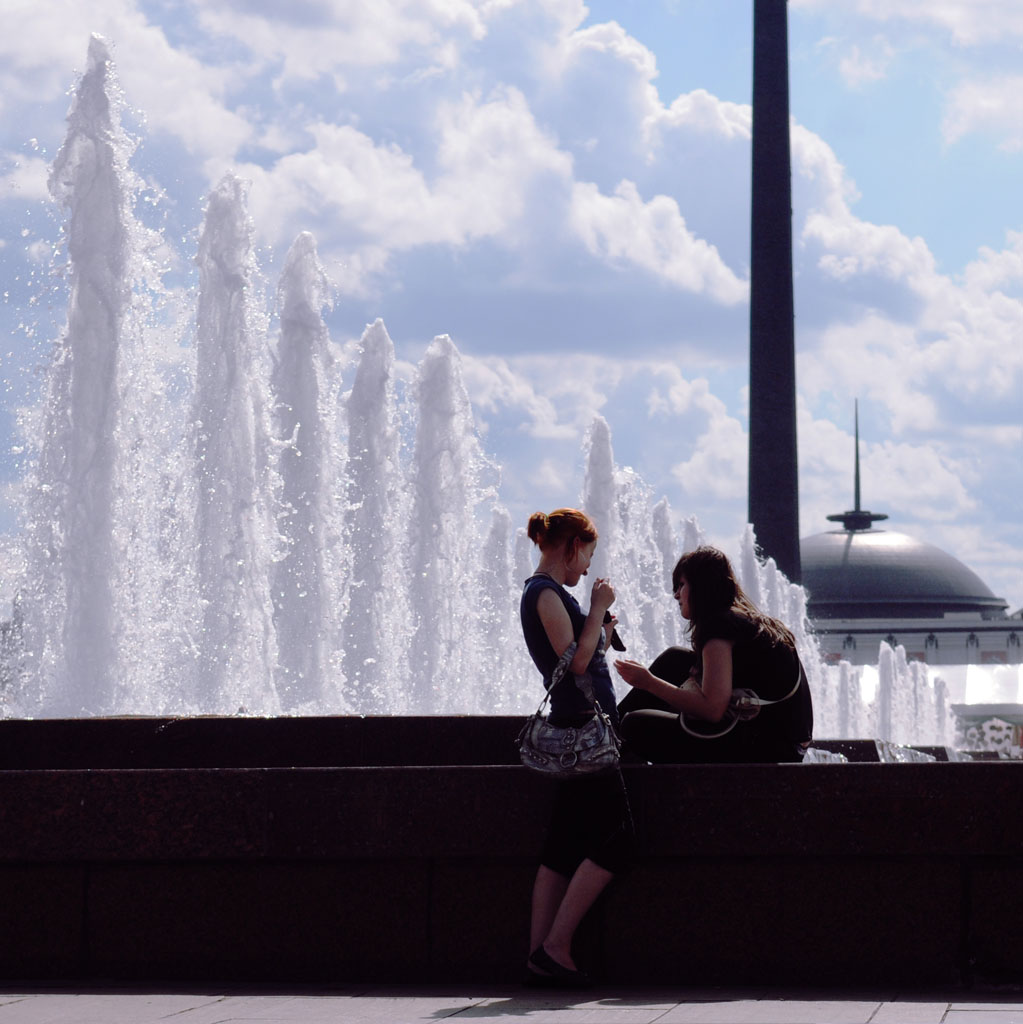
(861, 574)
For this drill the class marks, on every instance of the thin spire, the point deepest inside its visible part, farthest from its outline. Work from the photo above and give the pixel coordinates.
(857, 518)
(856, 420)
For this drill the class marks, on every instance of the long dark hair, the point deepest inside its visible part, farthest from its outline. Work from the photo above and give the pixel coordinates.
(714, 593)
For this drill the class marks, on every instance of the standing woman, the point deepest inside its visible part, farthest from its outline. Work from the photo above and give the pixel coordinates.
(590, 838)
(685, 695)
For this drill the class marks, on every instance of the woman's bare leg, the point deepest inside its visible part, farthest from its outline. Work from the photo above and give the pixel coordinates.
(548, 891)
(588, 882)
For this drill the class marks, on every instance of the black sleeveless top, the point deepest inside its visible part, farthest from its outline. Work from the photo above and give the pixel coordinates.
(770, 669)
(567, 699)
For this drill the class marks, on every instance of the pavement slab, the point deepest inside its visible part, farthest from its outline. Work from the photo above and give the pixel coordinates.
(910, 1012)
(499, 1004)
(773, 1011)
(985, 1014)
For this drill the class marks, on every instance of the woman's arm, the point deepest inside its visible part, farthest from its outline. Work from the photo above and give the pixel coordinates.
(707, 700)
(558, 625)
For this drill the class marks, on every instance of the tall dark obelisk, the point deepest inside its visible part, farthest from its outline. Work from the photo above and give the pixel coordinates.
(773, 482)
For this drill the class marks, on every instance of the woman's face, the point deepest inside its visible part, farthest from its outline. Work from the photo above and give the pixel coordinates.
(682, 596)
(579, 561)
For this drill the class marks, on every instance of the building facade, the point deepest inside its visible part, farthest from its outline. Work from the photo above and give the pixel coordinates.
(867, 585)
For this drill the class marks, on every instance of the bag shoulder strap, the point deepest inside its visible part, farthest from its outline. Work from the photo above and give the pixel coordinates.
(750, 697)
(582, 680)
(742, 700)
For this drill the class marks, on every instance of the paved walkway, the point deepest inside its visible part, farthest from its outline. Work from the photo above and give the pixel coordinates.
(201, 1004)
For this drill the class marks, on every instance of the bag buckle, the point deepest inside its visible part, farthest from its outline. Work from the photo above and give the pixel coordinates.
(745, 705)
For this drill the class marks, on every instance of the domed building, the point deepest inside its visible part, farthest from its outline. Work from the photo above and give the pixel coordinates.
(865, 585)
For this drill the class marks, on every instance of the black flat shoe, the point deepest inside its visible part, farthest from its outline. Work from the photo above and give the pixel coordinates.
(556, 975)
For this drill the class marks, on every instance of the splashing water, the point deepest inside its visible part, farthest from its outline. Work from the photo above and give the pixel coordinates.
(263, 543)
(374, 632)
(306, 581)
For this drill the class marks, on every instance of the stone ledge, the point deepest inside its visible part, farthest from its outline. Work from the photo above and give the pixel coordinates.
(938, 809)
(784, 874)
(242, 742)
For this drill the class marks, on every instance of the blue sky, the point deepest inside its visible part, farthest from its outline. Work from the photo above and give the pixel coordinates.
(564, 189)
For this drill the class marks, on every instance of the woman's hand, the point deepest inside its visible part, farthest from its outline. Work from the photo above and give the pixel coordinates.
(635, 674)
(602, 595)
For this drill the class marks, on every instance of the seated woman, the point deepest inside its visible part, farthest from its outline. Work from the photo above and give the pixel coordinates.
(686, 696)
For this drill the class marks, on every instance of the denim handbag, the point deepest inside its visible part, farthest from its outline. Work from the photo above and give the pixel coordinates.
(567, 752)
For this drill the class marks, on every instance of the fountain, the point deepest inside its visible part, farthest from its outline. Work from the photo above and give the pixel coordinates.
(232, 533)
(306, 582)
(259, 598)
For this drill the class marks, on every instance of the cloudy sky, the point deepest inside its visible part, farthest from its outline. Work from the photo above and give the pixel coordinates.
(563, 188)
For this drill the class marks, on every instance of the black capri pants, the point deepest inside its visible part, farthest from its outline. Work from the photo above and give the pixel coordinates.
(591, 819)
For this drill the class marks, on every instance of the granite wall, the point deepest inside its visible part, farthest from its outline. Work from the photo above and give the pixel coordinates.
(837, 874)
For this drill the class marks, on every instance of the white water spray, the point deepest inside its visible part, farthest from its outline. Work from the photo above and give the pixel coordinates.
(447, 480)
(94, 480)
(307, 580)
(260, 543)
(236, 536)
(377, 624)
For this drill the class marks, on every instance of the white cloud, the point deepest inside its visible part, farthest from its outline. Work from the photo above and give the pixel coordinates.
(576, 383)
(681, 395)
(820, 184)
(847, 245)
(701, 113)
(969, 22)
(873, 358)
(977, 327)
(498, 175)
(920, 480)
(370, 199)
(26, 178)
(323, 39)
(653, 235)
(550, 477)
(989, 105)
(495, 387)
(601, 89)
(610, 38)
(861, 67)
(997, 270)
(179, 93)
(718, 467)
(855, 247)
(36, 59)
(347, 183)
(492, 153)
(904, 334)
(910, 482)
